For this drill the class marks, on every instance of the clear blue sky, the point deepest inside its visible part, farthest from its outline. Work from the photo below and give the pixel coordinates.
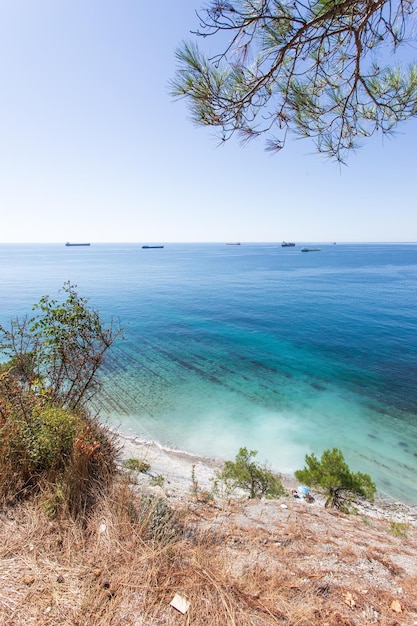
(92, 147)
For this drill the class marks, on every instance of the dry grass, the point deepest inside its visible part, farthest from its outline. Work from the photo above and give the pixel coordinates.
(237, 563)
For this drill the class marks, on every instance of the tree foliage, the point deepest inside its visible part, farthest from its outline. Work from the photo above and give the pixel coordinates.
(319, 68)
(332, 474)
(245, 473)
(59, 350)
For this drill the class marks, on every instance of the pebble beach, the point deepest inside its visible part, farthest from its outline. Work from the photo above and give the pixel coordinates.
(176, 468)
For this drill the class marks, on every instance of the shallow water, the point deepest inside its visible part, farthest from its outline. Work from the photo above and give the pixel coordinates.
(253, 345)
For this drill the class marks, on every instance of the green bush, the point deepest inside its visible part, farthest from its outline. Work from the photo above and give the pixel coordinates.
(332, 475)
(58, 352)
(49, 444)
(137, 465)
(244, 473)
(398, 529)
(157, 481)
(44, 448)
(49, 437)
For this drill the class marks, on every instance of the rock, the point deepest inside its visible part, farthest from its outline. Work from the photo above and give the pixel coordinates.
(396, 606)
(349, 599)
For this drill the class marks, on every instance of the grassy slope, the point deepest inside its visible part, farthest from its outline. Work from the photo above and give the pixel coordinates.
(238, 562)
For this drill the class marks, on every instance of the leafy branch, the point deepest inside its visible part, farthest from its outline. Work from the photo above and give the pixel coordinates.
(315, 68)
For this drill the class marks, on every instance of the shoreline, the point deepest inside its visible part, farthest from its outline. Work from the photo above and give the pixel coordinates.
(176, 467)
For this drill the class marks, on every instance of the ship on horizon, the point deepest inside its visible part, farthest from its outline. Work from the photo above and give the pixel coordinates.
(77, 244)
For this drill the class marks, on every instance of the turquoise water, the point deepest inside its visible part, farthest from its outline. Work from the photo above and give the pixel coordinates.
(253, 345)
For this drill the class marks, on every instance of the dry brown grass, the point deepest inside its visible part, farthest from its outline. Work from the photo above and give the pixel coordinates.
(237, 563)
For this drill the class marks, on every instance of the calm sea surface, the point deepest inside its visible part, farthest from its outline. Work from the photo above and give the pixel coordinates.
(254, 345)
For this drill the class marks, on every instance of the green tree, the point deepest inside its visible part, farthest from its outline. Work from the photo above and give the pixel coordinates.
(244, 473)
(320, 68)
(339, 484)
(58, 352)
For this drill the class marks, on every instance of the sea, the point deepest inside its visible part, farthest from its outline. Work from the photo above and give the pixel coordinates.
(256, 345)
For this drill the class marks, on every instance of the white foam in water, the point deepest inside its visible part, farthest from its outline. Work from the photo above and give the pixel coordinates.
(216, 423)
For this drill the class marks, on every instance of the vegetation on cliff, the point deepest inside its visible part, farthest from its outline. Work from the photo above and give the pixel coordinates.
(49, 442)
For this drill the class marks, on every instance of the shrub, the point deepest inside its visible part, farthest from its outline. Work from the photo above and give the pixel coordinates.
(332, 475)
(244, 473)
(48, 437)
(67, 456)
(58, 352)
(25, 445)
(200, 495)
(157, 519)
(398, 529)
(137, 465)
(48, 441)
(157, 481)
(91, 469)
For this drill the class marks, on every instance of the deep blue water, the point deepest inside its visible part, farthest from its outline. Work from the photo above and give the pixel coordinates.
(257, 345)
